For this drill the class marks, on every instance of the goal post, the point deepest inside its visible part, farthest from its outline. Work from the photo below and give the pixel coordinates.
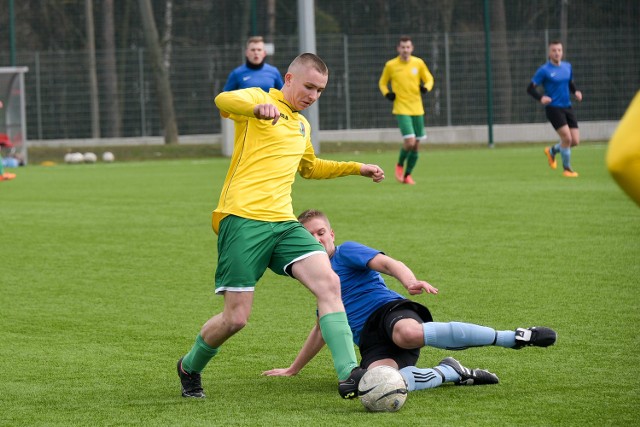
(13, 114)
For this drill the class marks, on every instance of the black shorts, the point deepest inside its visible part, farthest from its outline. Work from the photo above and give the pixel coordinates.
(376, 337)
(561, 116)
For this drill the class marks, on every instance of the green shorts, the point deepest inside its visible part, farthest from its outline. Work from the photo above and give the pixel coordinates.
(247, 247)
(411, 126)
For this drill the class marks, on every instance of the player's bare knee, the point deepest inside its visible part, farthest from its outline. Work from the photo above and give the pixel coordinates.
(331, 287)
(236, 323)
(408, 333)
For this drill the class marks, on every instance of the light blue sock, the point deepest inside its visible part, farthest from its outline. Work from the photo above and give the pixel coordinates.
(555, 149)
(566, 157)
(458, 336)
(421, 379)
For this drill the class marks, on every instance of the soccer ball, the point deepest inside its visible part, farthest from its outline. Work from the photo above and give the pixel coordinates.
(382, 389)
(90, 157)
(73, 158)
(108, 156)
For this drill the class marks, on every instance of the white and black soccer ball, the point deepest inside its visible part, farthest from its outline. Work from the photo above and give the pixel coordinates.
(108, 157)
(90, 157)
(73, 158)
(382, 389)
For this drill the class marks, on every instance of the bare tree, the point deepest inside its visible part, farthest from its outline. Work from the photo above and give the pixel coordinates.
(271, 20)
(163, 87)
(500, 61)
(93, 79)
(168, 34)
(110, 72)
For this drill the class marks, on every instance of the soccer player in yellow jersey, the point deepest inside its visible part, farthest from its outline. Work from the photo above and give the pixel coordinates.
(256, 226)
(403, 81)
(623, 154)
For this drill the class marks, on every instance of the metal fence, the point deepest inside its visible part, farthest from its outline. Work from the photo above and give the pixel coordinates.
(606, 68)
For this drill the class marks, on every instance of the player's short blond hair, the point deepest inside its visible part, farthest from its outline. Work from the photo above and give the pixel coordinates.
(310, 214)
(309, 60)
(255, 39)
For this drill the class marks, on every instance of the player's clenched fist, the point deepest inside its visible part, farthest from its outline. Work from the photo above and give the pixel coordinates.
(267, 111)
(372, 171)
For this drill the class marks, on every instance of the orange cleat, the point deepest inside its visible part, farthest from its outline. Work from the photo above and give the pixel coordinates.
(400, 173)
(550, 158)
(7, 176)
(408, 180)
(570, 173)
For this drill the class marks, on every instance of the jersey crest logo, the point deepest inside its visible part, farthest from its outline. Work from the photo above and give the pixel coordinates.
(414, 71)
(302, 130)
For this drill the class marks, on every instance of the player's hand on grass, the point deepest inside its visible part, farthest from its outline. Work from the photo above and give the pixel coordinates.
(372, 171)
(279, 372)
(419, 286)
(266, 111)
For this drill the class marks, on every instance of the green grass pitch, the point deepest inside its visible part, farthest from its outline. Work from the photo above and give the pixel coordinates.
(107, 276)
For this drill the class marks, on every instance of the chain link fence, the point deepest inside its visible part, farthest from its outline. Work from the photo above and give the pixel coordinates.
(606, 68)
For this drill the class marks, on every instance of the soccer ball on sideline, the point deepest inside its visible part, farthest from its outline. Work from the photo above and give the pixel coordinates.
(108, 157)
(73, 158)
(382, 389)
(90, 157)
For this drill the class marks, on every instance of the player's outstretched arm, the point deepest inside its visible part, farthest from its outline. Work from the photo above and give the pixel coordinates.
(311, 347)
(372, 171)
(392, 267)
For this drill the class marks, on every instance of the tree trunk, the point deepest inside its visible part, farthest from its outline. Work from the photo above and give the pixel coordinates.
(501, 66)
(93, 78)
(271, 20)
(110, 74)
(168, 34)
(163, 87)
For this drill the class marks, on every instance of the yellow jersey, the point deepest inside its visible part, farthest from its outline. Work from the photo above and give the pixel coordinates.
(406, 77)
(623, 153)
(266, 158)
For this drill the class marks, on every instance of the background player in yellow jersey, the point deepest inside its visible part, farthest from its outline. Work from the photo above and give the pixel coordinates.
(623, 154)
(403, 80)
(256, 226)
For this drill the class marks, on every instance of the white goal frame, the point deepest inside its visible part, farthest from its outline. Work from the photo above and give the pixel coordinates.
(13, 111)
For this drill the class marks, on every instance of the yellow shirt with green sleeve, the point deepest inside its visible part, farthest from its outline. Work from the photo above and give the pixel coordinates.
(406, 77)
(266, 158)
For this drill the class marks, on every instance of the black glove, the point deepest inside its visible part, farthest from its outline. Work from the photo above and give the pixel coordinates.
(390, 96)
(423, 89)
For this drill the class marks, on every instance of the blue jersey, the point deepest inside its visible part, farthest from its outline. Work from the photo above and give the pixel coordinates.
(265, 77)
(555, 79)
(363, 289)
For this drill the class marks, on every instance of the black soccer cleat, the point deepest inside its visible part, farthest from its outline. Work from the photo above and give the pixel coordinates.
(470, 376)
(348, 388)
(191, 384)
(537, 336)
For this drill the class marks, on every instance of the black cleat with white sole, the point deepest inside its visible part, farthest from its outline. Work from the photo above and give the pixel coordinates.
(191, 383)
(470, 376)
(536, 336)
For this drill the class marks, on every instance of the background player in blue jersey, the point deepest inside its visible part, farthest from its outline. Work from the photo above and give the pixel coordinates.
(255, 72)
(556, 76)
(390, 329)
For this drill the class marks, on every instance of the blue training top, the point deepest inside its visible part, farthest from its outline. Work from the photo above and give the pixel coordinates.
(265, 77)
(555, 79)
(363, 289)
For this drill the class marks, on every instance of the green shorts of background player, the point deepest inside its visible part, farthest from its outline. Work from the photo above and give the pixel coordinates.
(412, 129)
